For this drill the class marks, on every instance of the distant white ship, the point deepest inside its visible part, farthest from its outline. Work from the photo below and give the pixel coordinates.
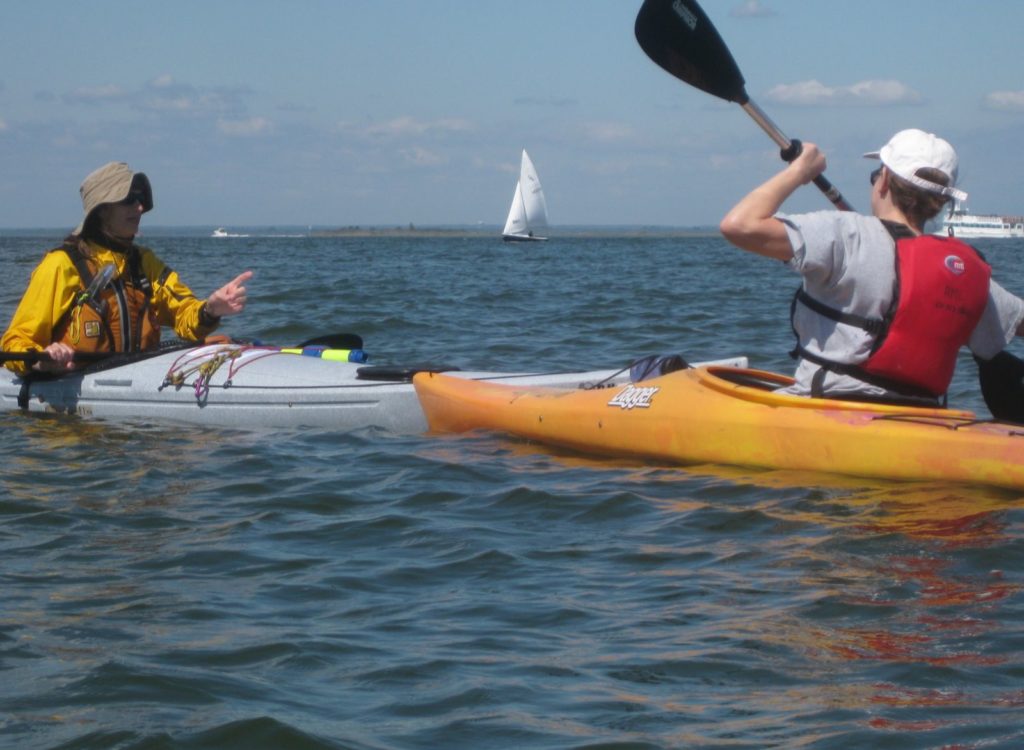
(959, 222)
(222, 232)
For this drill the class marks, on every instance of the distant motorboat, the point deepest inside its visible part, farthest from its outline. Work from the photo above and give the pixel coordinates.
(529, 210)
(222, 232)
(959, 222)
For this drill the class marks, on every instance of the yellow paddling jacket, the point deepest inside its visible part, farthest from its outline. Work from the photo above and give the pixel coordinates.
(126, 315)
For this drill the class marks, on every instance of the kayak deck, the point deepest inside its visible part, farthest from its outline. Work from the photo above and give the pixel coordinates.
(711, 415)
(233, 385)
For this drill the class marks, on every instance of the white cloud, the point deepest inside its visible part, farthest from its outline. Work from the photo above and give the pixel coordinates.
(537, 101)
(247, 127)
(605, 132)
(179, 103)
(864, 93)
(751, 9)
(164, 95)
(1006, 101)
(610, 167)
(421, 157)
(161, 95)
(95, 94)
(405, 126)
(295, 108)
(724, 161)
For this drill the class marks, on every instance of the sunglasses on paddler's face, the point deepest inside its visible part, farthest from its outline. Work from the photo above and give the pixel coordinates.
(135, 196)
(875, 175)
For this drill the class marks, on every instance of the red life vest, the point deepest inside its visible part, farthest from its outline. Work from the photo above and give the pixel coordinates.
(942, 288)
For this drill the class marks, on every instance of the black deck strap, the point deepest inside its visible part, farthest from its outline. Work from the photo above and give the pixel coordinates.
(607, 382)
(656, 365)
(946, 423)
(25, 392)
(747, 379)
(398, 374)
(923, 402)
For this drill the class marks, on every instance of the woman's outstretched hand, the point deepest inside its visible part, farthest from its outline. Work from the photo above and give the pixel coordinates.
(230, 298)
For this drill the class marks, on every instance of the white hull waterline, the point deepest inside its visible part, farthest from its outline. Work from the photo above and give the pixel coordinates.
(529, 210)
(254, 387)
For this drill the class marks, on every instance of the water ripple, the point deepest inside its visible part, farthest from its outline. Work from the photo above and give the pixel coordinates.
(170, 587)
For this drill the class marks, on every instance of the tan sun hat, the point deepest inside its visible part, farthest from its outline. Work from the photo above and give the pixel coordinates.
(112, 183)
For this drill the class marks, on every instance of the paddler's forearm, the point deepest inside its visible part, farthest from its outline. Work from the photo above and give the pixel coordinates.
(751, 224)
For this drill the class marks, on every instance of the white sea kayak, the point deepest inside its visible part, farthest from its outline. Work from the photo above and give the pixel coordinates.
(247, 386)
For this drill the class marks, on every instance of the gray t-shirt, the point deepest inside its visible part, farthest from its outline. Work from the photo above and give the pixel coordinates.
(848, 262)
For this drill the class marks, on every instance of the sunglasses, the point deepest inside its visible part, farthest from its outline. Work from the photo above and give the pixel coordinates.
(875, 175)
(135, 196)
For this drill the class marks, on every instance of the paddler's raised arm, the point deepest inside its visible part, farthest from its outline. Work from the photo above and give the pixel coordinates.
(751, 224)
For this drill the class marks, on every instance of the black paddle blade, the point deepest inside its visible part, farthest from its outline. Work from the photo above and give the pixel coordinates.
(335, 341)
(1002, 386)
(678, 36)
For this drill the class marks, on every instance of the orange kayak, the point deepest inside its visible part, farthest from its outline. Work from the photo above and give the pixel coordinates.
(734, 416)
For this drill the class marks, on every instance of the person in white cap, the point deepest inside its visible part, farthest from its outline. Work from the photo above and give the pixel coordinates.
(883, 308)
(100, 292)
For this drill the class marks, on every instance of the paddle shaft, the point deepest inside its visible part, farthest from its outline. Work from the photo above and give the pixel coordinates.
(329, 341)
(44, 357)
(789, 152)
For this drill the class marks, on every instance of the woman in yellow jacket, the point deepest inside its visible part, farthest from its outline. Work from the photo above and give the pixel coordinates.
(100, 292)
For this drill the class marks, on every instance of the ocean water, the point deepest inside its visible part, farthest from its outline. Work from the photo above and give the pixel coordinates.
(172, 587)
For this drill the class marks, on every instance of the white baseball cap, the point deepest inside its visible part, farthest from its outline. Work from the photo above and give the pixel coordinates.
(911, 150)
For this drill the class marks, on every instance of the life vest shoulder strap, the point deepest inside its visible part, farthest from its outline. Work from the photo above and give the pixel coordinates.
(874, 326)
(85, 276)
(78, 260)
(896, 230)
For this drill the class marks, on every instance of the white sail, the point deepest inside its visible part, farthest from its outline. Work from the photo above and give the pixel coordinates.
(516, 221)
(529, 210)
(533, 194)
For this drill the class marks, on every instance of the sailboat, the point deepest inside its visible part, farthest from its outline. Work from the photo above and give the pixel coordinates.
(529, 211)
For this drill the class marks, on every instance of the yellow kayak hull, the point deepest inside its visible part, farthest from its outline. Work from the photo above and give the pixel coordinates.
(733, 416)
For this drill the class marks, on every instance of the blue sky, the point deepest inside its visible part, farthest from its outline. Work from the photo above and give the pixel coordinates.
(366, 112)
